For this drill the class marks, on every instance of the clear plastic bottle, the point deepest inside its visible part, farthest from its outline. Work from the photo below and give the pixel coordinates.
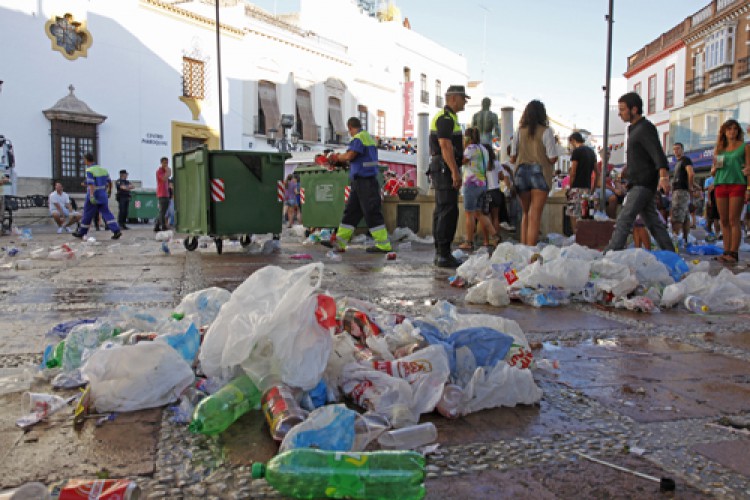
(218, 411)
(449, 404)
(408, 438)
(696, 305)
(310, 473)
(281, 409)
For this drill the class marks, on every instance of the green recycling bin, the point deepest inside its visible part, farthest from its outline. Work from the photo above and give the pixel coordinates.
(143, 206)
(324, 195)
(228, 194)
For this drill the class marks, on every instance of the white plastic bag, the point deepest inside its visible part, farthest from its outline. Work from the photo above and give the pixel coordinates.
(380, 393)
(492, 291)
(206, 303)
(570, 275)
(135, 377)
(503, 385)
(272, 324)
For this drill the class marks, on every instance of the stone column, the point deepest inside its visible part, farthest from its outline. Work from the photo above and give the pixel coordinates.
(423, 152)
(506, 131)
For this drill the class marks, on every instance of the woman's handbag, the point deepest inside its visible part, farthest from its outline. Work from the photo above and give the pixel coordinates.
(485, 203)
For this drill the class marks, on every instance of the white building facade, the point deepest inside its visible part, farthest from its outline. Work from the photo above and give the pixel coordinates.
(135, 80)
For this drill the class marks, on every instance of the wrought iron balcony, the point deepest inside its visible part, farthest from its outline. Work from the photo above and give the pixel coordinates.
(743, 67)
(694, 86)
(719, 76)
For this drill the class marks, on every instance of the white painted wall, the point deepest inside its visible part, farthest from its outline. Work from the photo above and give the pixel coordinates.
(132, 74)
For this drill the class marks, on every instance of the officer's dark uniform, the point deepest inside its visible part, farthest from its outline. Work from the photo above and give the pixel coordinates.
(445, 217)
(123, 200)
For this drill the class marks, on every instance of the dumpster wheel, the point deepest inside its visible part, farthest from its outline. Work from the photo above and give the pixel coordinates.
(246, 240)
(190, 244)
(219, 245)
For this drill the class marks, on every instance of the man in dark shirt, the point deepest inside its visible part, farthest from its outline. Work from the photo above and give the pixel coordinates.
(681, 184)
(582, 162)
(647, 169)
(124, 187)
(446, 150)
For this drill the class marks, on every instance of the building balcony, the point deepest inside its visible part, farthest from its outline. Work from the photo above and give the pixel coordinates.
(719, 76)
(694, 86)
(424, 97)
(743, 67)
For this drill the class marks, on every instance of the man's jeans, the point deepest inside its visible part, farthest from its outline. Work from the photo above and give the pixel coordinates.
(640, 201)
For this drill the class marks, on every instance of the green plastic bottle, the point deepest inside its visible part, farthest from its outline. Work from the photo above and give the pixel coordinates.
(56, 359)
(377, 475)
(218, 411)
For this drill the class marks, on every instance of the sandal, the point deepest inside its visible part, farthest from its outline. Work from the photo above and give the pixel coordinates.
(466, 246)
(731, 258)
(495, 240)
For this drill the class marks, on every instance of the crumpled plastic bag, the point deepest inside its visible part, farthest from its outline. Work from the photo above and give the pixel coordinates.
(518, 255)
(493, 291)
(580, 252)
(673, 262)
(329, 427)
(644, 264)
(694, 284)
(380, 393)
(476, 268)
(135, 377)
(406, 234)
(205, 303)
(501, 385)
(570, 275)
(273, 318)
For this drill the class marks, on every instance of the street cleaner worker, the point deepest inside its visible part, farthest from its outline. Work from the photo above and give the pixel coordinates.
(97, 181)
(364, 198)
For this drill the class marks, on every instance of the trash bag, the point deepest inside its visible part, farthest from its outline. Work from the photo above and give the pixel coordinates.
(570, 275)
(206, 303)
(476, 268)
(644, 264)
(135, 377)
(517, 255)
(380, 393)
(703, 250)
(673, 262)
(272, 323)
(501, 385)
(185, 341)
(330, 427)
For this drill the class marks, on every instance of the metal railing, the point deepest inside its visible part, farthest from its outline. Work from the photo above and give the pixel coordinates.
(743, 67)
(719, 76)
(695, 86)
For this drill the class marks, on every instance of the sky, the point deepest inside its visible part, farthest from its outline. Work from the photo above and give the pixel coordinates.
(552, 50)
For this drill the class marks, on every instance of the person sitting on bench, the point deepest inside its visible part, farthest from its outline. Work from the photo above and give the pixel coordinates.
(61, 209)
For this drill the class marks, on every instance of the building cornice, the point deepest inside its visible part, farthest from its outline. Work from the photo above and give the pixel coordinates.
(232, 30)
(655, 58)
(703, 30)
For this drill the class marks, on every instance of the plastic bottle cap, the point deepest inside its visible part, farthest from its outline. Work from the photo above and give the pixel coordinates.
(258, 470)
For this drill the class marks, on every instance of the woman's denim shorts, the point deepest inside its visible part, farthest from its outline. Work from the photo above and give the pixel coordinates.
(471, 197)
(529, 176)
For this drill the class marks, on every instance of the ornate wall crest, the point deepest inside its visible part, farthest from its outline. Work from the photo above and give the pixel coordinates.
(68, 36)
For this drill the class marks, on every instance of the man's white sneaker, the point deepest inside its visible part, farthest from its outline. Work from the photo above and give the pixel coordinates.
(68, 229)
(507, 227)
(60, 230)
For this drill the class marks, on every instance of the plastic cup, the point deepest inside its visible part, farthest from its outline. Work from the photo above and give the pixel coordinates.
(37, 402)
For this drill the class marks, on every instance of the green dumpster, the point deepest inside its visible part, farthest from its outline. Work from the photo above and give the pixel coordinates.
(143, 205)
(324, 195)
(228, 194)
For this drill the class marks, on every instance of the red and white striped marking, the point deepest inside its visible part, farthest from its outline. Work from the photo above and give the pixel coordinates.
(217, 190)
(347, 192)
(302, 195)
(280, 190)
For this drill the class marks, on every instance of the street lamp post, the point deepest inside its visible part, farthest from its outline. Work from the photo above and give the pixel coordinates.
(605, 146)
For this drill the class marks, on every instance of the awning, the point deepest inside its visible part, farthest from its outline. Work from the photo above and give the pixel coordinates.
(334, 113)
(270, 106)
(305, 112)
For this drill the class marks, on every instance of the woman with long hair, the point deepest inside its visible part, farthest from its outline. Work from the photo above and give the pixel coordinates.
(730, 169)
(476, 160)
(534, 150)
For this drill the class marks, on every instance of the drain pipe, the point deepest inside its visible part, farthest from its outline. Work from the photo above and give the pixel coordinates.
(423, 152)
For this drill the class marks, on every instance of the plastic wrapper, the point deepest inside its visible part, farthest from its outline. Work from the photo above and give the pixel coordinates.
(205, 303)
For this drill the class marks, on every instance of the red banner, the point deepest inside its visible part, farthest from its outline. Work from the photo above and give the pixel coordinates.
(408, 109)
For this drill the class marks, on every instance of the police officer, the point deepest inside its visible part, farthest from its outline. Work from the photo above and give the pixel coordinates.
(124, 187)
(364, 198)
(446, 150)
(97, 181)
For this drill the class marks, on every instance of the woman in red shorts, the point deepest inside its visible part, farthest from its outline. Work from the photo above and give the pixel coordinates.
(731, 158)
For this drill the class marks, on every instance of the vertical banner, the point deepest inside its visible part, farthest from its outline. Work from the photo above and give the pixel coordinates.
(408, 109)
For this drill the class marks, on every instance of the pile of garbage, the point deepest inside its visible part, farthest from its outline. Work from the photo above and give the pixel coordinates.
(634, 279)
(331, 376)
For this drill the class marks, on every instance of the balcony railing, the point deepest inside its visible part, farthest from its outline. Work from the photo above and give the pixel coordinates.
(439, 101)
(719, 76)
(743, 67)
(424, 97)
(695, 86)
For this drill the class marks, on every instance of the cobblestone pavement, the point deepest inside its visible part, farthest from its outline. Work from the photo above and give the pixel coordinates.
(664, 394)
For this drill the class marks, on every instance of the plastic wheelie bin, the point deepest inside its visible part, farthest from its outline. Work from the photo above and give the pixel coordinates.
(228, 194)
(143, 206)
(325, 194)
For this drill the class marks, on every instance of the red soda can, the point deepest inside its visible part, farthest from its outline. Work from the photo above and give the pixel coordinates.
(391, 256)
(103, 489)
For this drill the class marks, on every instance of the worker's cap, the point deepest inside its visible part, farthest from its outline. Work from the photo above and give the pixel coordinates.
(457, 90)
(123, 171)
